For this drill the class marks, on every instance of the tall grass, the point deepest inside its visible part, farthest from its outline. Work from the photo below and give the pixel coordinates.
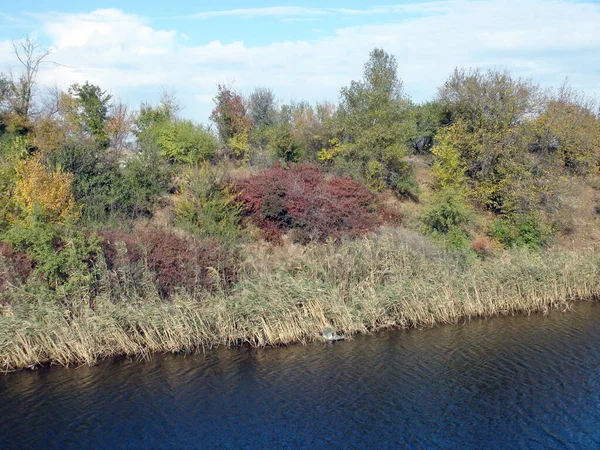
(396, 279)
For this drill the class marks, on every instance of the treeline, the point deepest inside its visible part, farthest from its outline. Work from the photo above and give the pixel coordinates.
(86, 182)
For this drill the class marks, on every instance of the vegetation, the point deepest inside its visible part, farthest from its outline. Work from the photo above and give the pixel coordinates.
(394, 280)
(131, 232)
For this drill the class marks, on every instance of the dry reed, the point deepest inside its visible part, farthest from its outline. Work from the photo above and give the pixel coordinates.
(395, 279)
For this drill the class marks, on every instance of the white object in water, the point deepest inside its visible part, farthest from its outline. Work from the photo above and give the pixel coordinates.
(329, 334)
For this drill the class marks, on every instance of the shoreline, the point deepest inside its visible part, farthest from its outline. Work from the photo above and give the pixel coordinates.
(308, 340)
(384, 282)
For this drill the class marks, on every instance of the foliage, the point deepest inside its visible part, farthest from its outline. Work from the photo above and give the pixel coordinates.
(428, 118)
(207, 206)
(373, 122)
(449, 166)
(523, 231)
(140, 182)
(510, 149)
(306, 201)
(13, 148)
(447, 218)
(61, 253)
(48, 135)
(283, 145)
(40, 192)
(262, 107)
(15, 266)
(567, 133)
(107, 187)
(490, 101)
(177, 262)
(119, 127)
(311, 127)
(149, 116)
(233, 121)
(184, 142)
(180, 141)
(88, 107)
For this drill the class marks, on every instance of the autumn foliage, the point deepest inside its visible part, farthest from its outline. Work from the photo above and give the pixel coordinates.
(304, 199)
(15, 266)
(38, 190)
(176, 262)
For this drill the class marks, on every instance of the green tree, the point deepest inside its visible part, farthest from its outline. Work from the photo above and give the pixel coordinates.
(427, 118)
(179, 141)
(567, 132)
(182, 141)
(374, 125)
(90, 111)
(262, 107)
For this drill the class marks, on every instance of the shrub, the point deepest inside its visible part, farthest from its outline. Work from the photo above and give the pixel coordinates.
(107, 187)
(284, 146)
(62, 254)
(447, 218)
(15, 267)
(446, 213)
(303, 199)
(176, 262)
(48, 193)
(207, 207)
(139, 184)
(484, 246)
(183, 141)
(528, 230)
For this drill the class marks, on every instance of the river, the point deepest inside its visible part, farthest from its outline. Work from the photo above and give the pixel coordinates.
(508, 382)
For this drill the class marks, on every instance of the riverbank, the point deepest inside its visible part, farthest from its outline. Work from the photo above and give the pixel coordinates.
(394, 279)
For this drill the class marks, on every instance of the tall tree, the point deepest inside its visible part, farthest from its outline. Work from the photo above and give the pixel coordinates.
(90, 111)
(374, 125)
(30, 54)
(262, 107)
(233, 120)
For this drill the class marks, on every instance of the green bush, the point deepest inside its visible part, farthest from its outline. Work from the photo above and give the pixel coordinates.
(142, 179)
(447, 212)
(206, 207)
(184, 142)
(60, 252)
(446, 219)
(109, 188)
(528, 230)
(283, 145)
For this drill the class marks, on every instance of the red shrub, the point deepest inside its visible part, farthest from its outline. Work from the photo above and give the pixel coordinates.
(15, 267)
(307, 201)
(176, 261)
(485, 246)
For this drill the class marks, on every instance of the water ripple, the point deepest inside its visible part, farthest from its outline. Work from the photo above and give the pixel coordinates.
(512, 382)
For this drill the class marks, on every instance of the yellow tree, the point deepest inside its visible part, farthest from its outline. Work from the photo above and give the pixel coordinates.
(38, 191)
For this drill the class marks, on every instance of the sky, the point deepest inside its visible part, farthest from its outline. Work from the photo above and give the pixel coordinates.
(306, 50)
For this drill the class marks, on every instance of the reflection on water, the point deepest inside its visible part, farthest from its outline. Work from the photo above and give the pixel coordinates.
(517, 382)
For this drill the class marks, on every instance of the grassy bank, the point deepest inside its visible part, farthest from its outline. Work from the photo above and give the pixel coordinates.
(288, 294)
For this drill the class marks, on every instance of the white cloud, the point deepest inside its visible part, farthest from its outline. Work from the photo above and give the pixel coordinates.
(297, 11)
(278, 11)
(123, 53)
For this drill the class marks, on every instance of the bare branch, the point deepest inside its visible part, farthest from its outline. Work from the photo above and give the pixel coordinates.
(30, 54)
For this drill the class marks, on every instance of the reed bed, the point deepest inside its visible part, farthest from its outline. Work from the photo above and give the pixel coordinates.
(395, 279)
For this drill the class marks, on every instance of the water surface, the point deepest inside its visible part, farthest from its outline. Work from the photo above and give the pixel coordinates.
(513, 382)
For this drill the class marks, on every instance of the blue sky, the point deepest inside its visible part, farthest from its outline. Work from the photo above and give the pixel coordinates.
(305, 50)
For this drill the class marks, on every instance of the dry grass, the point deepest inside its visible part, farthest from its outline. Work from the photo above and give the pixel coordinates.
(396, 279)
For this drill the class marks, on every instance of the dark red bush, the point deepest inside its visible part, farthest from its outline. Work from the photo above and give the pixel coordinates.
(177, 262)
(305, 199)
(15, 267)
